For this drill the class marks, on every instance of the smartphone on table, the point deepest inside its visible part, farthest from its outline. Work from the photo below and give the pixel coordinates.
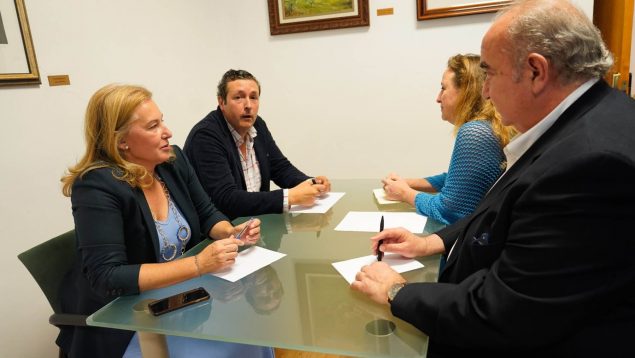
(182, 299)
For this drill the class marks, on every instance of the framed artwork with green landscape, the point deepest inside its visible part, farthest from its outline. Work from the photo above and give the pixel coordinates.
(289, 16)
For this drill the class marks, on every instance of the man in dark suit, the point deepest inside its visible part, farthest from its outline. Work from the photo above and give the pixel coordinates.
(545, 266)
(235, 156)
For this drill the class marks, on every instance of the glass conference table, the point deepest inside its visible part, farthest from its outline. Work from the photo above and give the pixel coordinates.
(299, 302)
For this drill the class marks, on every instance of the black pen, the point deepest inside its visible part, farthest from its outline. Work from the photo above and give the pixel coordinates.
(317, 181)
(380, 254)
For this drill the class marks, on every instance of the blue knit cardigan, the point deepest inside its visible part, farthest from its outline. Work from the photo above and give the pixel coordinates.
(477, 162)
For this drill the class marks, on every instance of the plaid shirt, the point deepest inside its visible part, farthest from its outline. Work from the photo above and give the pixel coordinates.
(251, 169)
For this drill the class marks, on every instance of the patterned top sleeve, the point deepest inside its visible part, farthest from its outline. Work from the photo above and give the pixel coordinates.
(474, 168)
(437, 181)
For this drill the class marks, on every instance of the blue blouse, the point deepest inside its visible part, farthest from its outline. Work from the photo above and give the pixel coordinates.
(477, 162)
(172, 238)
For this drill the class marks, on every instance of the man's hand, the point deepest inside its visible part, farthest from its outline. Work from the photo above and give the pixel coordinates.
(407, 244)
(375, 280)
(305, 193)
(322, 180)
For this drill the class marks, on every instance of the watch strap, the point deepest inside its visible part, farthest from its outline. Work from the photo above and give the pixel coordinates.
(393, 290)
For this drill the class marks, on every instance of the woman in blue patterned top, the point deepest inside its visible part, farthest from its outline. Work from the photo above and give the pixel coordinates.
(477, 158)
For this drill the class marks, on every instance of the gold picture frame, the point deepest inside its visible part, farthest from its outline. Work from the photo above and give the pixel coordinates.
(20, 67)
(291, 16)
(435, 9)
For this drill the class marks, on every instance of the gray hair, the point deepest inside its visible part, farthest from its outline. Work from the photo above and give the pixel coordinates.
(560, 32)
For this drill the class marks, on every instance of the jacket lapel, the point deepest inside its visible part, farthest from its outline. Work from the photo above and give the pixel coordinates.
(231, 147)
(148, 220)
(263, 160)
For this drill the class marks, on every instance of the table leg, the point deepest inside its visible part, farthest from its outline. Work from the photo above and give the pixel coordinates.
(153, 345)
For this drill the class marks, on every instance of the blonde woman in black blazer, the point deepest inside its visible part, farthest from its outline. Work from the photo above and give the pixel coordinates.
(129, 182)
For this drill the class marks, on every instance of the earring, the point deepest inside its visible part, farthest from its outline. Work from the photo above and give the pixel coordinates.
(126, 148)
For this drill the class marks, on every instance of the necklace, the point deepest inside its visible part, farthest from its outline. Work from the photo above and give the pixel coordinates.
(169, 250)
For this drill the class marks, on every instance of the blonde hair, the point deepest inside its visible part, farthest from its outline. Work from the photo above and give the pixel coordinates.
(468, 79)
(109, 114)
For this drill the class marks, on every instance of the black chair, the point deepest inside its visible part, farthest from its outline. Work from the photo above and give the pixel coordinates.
(48, 262)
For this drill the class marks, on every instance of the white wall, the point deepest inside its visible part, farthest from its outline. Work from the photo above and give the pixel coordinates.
(350, 103)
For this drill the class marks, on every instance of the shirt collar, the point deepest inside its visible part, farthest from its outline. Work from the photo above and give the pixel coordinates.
(251, 133)
(522, 142)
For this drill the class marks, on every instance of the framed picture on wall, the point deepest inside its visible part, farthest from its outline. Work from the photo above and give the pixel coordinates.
(434, 9)
(17, 55)
(289, 16)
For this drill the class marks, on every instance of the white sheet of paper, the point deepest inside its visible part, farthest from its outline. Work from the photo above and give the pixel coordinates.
(248, 261)
(349, 268)
(322, 204)
(368, 221)
(380, 195)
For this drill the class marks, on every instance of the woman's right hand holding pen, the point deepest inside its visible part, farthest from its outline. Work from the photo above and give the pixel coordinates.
(222, 253)
(218, 255)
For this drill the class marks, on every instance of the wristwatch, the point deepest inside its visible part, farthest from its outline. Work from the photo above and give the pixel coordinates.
(392, 291)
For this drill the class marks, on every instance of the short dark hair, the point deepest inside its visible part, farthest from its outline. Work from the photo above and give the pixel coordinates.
(233, 75)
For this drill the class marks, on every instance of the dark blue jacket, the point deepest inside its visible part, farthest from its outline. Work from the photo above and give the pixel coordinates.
(214, 156)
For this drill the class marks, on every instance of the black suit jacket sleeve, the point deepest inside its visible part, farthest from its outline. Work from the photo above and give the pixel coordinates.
(450, 233)
(214, 156)
(281, 171)
(99, 205)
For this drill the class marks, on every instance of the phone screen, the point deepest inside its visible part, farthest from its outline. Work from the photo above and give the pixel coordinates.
(177, 301)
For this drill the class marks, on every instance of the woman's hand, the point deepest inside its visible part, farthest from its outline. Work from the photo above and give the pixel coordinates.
(397, 188)
(251, 235)
(218, 255)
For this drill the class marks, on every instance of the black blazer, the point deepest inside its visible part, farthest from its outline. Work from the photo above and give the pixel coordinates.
(545, 266)
(213, 154)
(115, 234)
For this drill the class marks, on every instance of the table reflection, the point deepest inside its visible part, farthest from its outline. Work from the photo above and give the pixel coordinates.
(262, 289)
